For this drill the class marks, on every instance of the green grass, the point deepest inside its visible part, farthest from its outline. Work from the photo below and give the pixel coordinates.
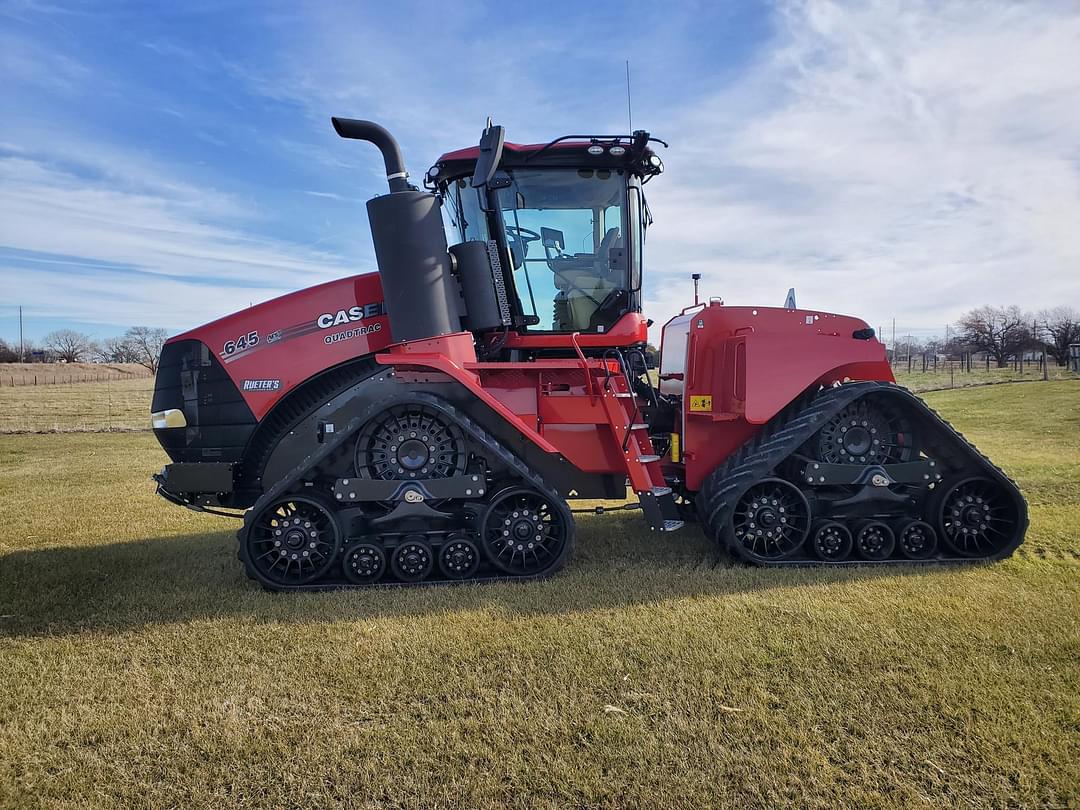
(931, 380)
(81, 406)
(138, 667)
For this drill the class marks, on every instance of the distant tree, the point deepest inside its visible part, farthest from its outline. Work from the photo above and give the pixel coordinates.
(1001, 332)
(69, 345)
(117, 350)
(1062, 326)
(146, 343)
(8, 354)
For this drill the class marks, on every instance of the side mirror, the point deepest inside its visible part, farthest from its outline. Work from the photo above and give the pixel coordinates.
(491, 147)
(553, 239)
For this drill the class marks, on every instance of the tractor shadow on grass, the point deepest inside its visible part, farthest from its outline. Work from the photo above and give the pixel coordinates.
(196, 577)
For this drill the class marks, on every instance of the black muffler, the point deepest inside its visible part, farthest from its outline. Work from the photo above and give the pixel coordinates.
(410, 245)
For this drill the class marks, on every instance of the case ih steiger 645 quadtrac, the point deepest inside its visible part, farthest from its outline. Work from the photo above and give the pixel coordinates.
(429, 422)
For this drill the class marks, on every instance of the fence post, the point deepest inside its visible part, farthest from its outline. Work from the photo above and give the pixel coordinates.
(952, 382)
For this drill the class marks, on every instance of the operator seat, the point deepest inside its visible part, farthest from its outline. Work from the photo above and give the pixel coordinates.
(581, 291)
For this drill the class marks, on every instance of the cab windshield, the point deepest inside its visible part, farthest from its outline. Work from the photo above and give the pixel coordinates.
(574, 237)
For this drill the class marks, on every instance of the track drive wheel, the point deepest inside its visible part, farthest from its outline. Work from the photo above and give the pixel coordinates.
(526, 532)
(292, 541)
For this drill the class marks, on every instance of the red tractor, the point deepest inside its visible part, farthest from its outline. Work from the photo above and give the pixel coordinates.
(429, 422)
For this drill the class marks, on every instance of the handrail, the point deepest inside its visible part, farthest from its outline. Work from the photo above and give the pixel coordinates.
(584, 363)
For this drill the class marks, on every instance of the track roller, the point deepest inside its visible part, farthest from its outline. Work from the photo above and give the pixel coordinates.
(874, 539)
(413, 559)
(363, 563)
(459, 558)
(916, 539)
(831, 540)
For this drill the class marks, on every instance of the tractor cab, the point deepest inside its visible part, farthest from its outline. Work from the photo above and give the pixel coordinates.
(566, 220)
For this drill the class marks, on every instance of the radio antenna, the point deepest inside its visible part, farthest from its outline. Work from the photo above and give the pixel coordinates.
(629, 110)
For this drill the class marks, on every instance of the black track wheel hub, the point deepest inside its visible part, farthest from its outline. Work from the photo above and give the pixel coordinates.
(459, 558)
(831, 540)
(874, 540)
(916, 539)
(292, 541)
(526, 532)
(363, 563)
(413, 560)
(770, 520)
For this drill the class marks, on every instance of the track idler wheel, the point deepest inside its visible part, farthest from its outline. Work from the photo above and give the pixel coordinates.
(916, 539)
(771, 520)
(363, 563)
(525, 532)
(459, 558)
(977, 517)
(874, 540)
(412, 560)
(831, 540)
(293, 541)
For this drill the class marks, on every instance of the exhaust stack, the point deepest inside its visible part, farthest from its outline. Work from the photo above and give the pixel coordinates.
(410, 245)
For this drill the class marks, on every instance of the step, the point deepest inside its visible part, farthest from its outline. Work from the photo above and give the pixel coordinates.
(638, 426)
(623, 395)
(660, 491)
(672, 525)
(647, 459)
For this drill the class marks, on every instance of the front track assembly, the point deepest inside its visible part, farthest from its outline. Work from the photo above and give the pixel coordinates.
(411, 492)
(861, 473)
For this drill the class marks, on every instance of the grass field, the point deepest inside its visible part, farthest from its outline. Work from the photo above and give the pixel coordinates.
(138, 667)
(931, 380)
(85, 406)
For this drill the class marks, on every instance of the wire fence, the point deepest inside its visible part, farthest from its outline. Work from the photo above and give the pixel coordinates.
(46, 376)
(91, 406)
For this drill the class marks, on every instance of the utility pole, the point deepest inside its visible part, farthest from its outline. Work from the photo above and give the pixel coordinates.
(22, 346)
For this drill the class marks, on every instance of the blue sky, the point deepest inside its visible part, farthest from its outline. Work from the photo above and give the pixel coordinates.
(907, 160)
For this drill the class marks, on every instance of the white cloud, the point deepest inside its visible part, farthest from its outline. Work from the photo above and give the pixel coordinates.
(172, 256)
(888, 159)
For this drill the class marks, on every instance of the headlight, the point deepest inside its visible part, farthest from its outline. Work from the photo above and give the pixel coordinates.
(172, 418)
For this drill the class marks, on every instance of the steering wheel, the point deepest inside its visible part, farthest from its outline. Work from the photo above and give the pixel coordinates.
(525, 236)
(519, 234)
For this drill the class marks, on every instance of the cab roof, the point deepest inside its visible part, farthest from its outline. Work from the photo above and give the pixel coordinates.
(572, 152)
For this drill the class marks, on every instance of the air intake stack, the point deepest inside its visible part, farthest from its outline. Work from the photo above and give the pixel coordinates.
(410, 245)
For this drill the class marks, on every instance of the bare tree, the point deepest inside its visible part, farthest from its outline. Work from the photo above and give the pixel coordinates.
(146, 342)
(1062, 326)
(1001, 332)
(69, 345)
(117, 350)
(8, 354)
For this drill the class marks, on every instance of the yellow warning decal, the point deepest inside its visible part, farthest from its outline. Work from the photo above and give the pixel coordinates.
(699, 404)
(675, 448)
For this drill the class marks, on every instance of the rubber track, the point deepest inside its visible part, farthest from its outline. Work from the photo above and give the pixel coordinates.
(491, 446)
(786, 433)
